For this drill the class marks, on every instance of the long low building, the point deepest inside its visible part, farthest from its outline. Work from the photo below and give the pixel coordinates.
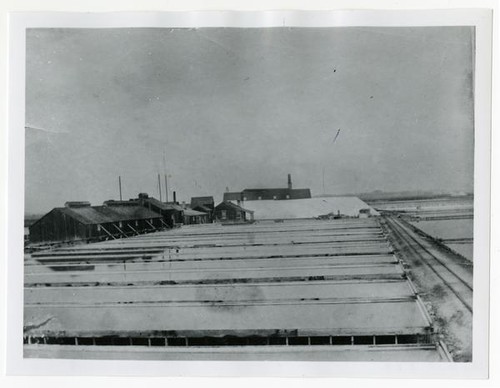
(327, 207)
(80, 221)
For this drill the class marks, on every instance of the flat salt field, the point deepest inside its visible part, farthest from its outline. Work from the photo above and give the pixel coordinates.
(291, 291)
(447, 229)
(162, 240)
(456, 234)
(281, 262)
(466, 250)
(154, 246)
(231, 252)
(202, 274)
(299, 278)
(395, 317)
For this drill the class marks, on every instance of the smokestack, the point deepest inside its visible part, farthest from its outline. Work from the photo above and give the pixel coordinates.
(175, 197)
(290, 181)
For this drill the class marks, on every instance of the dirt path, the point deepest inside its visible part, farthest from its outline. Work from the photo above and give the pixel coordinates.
(443, 281)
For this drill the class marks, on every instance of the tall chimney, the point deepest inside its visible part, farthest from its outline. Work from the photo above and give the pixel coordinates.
(175, 197)
(290, 181)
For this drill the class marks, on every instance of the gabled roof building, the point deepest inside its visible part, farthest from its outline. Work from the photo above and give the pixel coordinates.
(80, 221)
(230, 212)
(268, 194)
(206, 203)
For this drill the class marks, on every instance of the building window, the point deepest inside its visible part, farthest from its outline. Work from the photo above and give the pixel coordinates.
(223, 214)
(98, 228)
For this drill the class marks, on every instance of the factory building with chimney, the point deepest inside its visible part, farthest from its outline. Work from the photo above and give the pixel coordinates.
(266, 194)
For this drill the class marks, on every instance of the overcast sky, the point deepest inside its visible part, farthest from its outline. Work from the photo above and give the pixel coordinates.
(241, 108)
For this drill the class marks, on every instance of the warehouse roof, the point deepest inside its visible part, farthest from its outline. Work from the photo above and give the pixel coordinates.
(201, 208)
(227, 204)
(105, 214)
(201, 201)
(191, 212)
(233, 196)
(307, 208)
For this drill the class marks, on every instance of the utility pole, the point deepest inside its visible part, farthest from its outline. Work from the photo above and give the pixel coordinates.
(323, 180)
(165, 175)
(120, 186)
(159, 185)
(166, 190)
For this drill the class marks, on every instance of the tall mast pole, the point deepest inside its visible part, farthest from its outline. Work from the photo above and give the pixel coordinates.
(166, 190)
(159, 185)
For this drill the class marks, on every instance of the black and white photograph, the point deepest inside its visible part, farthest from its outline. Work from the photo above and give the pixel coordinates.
(251, 193)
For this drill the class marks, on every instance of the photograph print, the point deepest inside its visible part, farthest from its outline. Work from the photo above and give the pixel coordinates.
(240, 194)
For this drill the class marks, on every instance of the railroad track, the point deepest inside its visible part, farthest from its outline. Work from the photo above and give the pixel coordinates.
(458, 284)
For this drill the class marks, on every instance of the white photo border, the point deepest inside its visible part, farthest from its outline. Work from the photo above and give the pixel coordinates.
(19, 22)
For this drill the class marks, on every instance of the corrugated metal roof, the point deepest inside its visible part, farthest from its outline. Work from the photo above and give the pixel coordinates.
(191, 212)
(202, 208)
(155, 202)
(202, 200)
(85, 215)
(173, 206)
(124, 213)
(162, 205)
(232, 196)
(105, 214)
(279, 193)
(234, 206)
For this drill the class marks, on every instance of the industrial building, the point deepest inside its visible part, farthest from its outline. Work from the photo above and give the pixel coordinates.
(172, 212)
(195, 217)
(204, 205)
(230, 212)
(268, 194)
(81, 221)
